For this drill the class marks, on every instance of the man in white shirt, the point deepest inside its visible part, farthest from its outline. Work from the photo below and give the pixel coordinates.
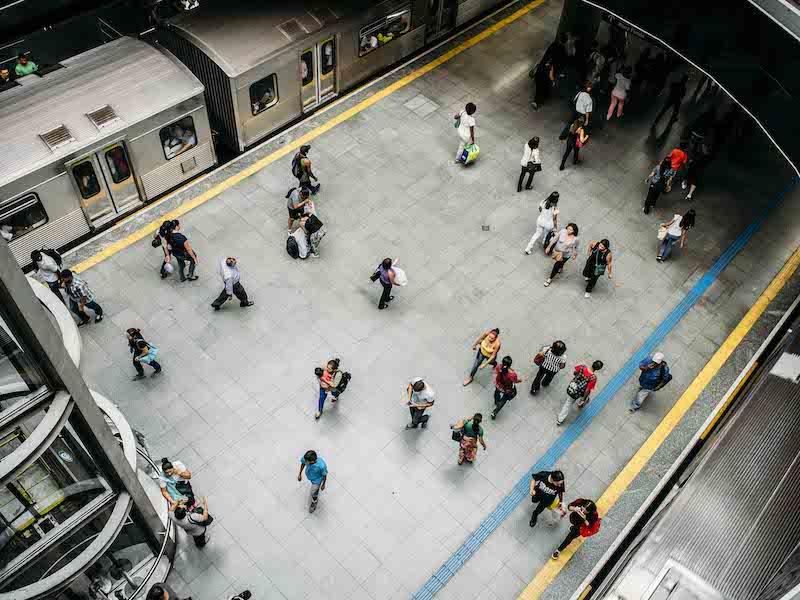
(531, 163)
(466, 128)
(48, 268)
(584, 103)
(420, 397)
(231, 275)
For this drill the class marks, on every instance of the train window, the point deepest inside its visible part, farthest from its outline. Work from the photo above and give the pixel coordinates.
(264, 94)
(178, 137)
(86, 178)
(382, 32)
(117, 162)
(307, 67)
(19, 216)
(327, 57)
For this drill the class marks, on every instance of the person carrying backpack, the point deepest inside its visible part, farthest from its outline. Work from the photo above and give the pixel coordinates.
(296, 201)
(48, 262)
(584, 521)
(301, 168)
(583, 382)
(330, 379)
(654, 376)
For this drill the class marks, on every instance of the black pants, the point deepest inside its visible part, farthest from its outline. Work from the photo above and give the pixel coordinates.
(653, 192)
(539, 507)
(571, 147)
(418, 416)
(182, 260)
(98, 311)
(543, 378)
(573, 534)
(56, 289)
(588, 271)
(238, 291)
(543, 88)
(200, 540)
(558, 266)
(675, 104)
(307, 185)
(140, 369)
(522, 173)
(500, 399)
(385, 295)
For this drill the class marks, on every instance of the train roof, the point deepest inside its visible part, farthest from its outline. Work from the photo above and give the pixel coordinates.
(239, 34)
(133, 78)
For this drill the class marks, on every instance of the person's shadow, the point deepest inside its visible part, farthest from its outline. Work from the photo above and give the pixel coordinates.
(656, 141)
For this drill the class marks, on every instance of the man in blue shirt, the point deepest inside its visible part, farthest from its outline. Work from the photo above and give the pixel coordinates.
(654, 375)
(317, 473)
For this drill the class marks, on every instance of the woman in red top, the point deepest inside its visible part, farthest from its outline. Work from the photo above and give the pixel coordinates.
(504, 379)
(584, 521)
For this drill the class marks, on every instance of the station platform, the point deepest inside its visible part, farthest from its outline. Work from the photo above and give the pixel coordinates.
(237, 397)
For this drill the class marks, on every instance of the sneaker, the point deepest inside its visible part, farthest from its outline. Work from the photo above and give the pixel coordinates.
(528, 252)
(84, 322)
(390, 298)
(534, 106)
(312, 507)
(586, 279)
(424, 424)
(561, 168)
(555, 555)
(317, 415)
(314, 255)
(688, 197)
(183, 279)
(645, 210)
(246, 304)
(684, 185)
(587, 295)
(381, 306)
(632, 410)
(548, 282)
(98, 318)
(215, 307)
(410, 426)
(659, 259)
(245, 595)
(138, 377)
(156, 373)
(532, 522)
(193, 278)
(559, 423)
(493, 415)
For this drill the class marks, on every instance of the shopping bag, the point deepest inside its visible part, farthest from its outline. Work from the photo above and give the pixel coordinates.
(470, 153)
(400, 277)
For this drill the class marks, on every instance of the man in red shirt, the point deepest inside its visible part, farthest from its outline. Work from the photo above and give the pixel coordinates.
(583, 382)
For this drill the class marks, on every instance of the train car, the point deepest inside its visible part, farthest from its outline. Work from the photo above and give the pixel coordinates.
(87, 143)
(264, 67)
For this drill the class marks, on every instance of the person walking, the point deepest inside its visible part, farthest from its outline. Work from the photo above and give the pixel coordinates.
(420, 397)
(317, 474)
(620, 92)
(531, 163)
(487, 346)
(230, 274)
(687, 223)
(694, 171)
(326, 381)
(301, 168)
(673, 234)
(550, 360)
(385, 274)
(583, 104)
(654, 375)
(657, 180)
(80, 297)
(546, 222)
(45, 263)
(597, 263)
(183, 252)
(547, 491)
(544, 79)
(576, 139)
(469, 433)
(579, 389)
(174, 481)
(584, 521)
(296, 201)
(505, 389)
(192, 522)
(143, 352)
(675, 96)
(562, 248)
(465, 125)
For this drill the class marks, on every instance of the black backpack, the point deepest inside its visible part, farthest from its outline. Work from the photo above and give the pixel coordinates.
(291, 247)
(346, 377)
(289, 193)
(54, 255)
(297, 168)
(577, 387)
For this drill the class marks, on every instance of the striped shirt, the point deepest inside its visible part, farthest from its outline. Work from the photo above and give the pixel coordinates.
(552, 362)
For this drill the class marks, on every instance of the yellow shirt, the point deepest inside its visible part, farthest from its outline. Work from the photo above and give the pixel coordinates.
(488, 347)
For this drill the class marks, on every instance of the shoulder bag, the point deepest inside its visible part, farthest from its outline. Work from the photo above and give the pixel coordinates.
(662, 232)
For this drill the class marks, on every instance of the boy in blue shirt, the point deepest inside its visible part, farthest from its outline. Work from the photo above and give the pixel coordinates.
(654, 375)
(317, 473)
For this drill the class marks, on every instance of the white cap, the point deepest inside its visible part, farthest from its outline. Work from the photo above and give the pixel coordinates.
(658, 357)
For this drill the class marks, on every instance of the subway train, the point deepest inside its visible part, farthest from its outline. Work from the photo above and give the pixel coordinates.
(94, 138)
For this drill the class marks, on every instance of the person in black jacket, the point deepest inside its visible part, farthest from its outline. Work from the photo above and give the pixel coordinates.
(547, 491)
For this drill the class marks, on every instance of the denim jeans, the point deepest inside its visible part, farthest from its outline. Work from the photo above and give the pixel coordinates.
(666, 245)
(418, 416)
(479, 360)
(641, 395)
(98, 311)
(323, 394)
(182, 260)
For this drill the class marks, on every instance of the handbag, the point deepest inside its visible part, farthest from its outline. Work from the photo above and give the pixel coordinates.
(662, 232)
(538, 360)
(457, 435)
(558, 256)
(457, 121)
(532, 166)
(374, 277)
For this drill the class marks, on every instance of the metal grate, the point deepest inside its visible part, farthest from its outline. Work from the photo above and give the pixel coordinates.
(323, 16)
(292, 29)
(103, 116)
(55, 138)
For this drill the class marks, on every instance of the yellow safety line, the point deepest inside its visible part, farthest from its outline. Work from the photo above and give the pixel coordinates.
(214, 191)
(552, 568)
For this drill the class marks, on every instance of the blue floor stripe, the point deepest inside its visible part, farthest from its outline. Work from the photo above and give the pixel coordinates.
(520, 490)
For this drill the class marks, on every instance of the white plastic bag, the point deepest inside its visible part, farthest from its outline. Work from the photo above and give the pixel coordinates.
(302, 241)
(399, 276)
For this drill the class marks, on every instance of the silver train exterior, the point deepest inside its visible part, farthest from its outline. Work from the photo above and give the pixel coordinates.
(264, 67)
(84, 144)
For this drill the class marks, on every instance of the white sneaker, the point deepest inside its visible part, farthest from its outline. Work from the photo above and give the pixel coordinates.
(528, 252)
(683, 185)
(587, 295)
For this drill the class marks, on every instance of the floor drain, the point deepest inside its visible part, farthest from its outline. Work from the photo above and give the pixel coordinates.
(484, 228)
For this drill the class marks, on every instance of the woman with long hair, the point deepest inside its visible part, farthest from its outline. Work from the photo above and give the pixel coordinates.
(546, 222)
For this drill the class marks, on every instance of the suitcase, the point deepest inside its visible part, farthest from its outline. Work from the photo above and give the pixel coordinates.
(470, 153)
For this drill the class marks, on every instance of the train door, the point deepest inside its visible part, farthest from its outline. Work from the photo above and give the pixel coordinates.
(318, 73)
(442, 17)
(104, 180)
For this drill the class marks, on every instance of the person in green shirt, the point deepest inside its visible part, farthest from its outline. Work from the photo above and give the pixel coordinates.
(24, 66)
(471, 434)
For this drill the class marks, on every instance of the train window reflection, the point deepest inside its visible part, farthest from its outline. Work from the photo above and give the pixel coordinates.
(19, 216)
(264, 94)
(86, 178)
(178, 137)
(382, 32)
(306, 67)
(327, 57)
(117, 162)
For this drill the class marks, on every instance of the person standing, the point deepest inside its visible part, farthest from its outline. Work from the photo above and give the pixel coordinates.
(229, 271)
(550, 360)
(487, 345)
(175, 485)
(143, 352)
(315, 230)
(546, 222)
(563, 248)
(465, 125)
(657, 180)
(595, 63)
(579, 389)
(583, 104)
(597, 263)
(620, 92)
(531, 163)
(584, 521)
(182, 251)
(471, 434)
(24, 66)
(505, 389)
(301, 168)
(385, 274)
(576, 139)
(80, 297)
(544, 79)
(317, 474)
(676, 94)
(547, 491)
(654, 375)
(45, 264)
(193, 523)
(674, 233)
(296, 201)
(325, 381)
(420, 397)
(687, 223)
